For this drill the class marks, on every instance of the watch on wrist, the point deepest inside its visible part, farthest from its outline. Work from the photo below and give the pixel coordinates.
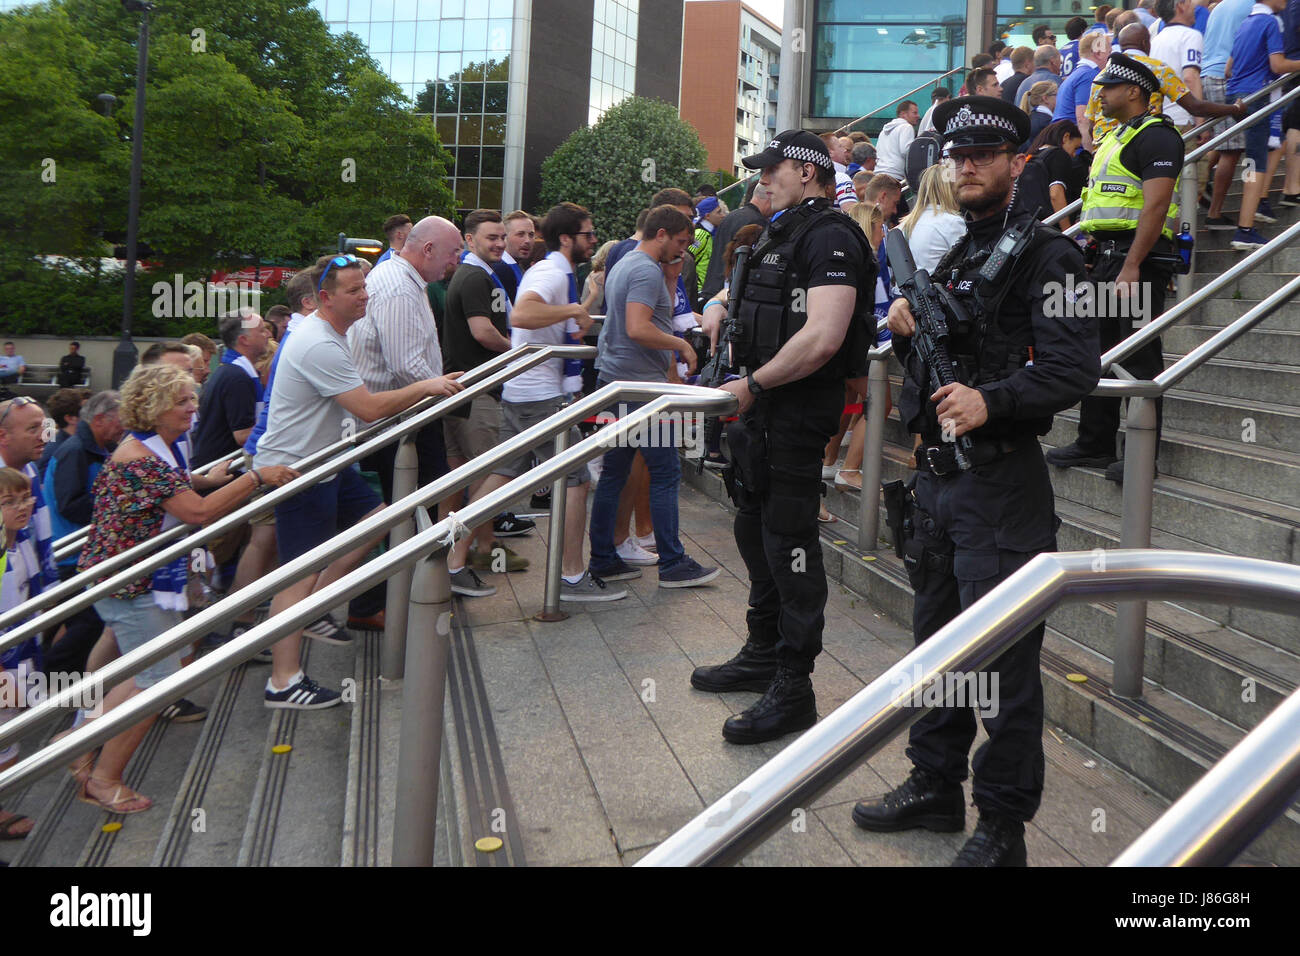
(754, 388)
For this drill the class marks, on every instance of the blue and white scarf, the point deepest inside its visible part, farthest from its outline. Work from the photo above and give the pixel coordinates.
(470, 259)
(572, 384)
(168, 583)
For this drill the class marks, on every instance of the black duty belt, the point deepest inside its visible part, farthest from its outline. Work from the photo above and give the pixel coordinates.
(941, 460)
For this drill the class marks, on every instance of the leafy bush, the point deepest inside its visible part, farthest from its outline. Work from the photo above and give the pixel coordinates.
(613, 168)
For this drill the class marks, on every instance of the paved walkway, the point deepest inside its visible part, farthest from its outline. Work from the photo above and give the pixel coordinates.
(608, 750)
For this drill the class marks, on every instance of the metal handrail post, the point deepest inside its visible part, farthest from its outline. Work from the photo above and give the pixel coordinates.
(392, 656)
(872, 455)
(1140, 447)
(1219, 817)
(424, 688)
(1188, 198)
(555, 539)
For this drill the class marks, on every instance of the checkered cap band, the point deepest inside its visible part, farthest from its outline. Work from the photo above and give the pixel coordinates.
(1118, 71)
(966, 117)
(802, 154)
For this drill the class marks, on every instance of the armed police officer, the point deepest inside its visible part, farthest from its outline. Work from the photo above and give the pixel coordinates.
(801, 313)
(982, 503)
(1130, 211)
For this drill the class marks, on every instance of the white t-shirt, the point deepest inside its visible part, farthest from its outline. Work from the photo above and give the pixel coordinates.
(1003, 69)
(549, 279)
(314, 366)
(933, 235)
(891, 147)
(1178, 47)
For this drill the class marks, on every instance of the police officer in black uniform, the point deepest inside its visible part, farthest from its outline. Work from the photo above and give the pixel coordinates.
(803, 314)
(970, 529)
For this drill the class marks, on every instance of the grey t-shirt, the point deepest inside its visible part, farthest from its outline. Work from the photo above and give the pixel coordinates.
(315, 365)
(635, 278)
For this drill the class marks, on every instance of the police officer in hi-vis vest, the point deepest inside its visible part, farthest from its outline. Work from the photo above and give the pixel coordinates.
(803, 311)
(981, 505)
(1130, 211)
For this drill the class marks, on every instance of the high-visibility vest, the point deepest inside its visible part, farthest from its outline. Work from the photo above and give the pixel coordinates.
(1112, 200)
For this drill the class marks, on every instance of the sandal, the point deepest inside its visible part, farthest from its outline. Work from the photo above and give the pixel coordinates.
(122, 796)
(843, 484)
(825, 517)
(7, 827)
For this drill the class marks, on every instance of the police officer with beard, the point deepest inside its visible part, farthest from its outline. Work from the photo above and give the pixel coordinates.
(971, 528)
(803, 310)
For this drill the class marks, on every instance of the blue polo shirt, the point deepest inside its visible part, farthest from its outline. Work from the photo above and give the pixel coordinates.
(1219, 33)
(1075, 90)
(1069, 57)
(1291, 29)
(1258, 38)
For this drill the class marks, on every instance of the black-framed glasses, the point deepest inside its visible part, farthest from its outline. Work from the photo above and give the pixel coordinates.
(590, 234)
(979, 157)
(342, 261)
(18, 402)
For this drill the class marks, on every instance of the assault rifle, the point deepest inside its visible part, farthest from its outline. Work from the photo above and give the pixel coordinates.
(714, 372)
(930, 305)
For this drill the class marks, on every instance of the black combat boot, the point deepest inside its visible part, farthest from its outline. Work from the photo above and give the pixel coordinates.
(787, 706)
(997, 841)
(923, 800)
(752, 669)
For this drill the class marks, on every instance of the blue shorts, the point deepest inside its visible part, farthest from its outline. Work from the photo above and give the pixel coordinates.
(135, 622)
(1257, 145)
(322, 511)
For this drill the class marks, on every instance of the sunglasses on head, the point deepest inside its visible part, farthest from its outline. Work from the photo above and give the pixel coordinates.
(342, 261)
(18, 402)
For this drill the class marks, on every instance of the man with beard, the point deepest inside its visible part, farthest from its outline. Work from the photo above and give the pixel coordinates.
(979, 516)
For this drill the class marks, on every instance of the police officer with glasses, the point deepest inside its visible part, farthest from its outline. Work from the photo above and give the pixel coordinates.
(976, 514)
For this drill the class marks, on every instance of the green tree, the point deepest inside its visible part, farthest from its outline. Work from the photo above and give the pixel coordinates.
(614, 168)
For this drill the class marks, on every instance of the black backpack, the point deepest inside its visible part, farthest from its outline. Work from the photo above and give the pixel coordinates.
(925, 151)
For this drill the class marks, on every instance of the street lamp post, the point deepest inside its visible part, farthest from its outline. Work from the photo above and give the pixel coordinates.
(124, 356)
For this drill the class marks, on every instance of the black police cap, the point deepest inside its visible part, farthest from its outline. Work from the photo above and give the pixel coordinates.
(980, 121)
(797, 144)
(1125, 69)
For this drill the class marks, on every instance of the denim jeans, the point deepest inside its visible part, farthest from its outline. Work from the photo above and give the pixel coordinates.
(665, 477)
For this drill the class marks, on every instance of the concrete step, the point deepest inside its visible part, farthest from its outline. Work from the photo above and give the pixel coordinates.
(1265, 477)
(1233, 419)
(1250, 380)
(1211, 262)
(1259, 345)
(1222, 311)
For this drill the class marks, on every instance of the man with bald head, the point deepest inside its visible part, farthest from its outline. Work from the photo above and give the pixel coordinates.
(396, 342)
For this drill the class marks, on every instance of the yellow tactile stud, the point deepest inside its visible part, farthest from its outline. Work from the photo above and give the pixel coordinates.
(281, 748)
(488, 844)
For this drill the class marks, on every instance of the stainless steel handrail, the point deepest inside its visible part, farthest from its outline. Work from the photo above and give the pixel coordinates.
(828, 752)
(74, 540)
(1250, 787)
(1241, 124)
(74, 594)
(1154, 328)
(660, 397)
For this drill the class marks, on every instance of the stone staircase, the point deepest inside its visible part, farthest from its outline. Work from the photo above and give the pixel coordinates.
(1229, 482)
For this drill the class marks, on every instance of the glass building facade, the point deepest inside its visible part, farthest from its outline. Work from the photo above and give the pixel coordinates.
(613, 54)
(452, 59)
(866, 54)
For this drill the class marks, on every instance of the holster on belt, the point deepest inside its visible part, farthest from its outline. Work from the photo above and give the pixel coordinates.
(897, 501)
(748, 475)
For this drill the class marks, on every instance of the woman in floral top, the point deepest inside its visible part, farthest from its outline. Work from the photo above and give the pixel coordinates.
(144, 488)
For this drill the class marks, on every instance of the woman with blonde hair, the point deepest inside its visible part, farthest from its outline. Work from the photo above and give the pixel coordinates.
(143, 489)
(596, 278)
(935, 224)
(1039, 101)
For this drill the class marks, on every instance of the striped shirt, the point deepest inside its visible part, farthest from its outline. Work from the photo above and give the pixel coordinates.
(396, 342)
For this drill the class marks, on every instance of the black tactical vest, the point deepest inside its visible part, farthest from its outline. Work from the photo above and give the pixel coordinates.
(774, 304)
(998, 340)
